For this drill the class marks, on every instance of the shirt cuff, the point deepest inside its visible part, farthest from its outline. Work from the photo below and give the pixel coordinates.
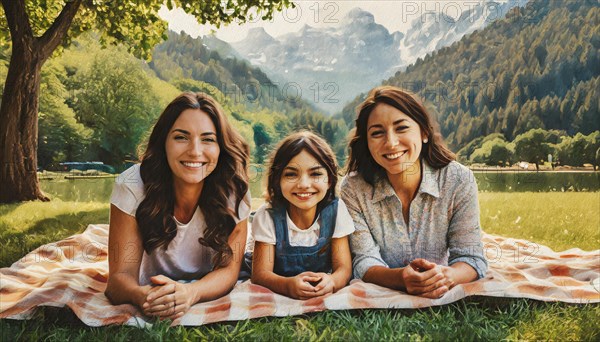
(478, 264)
(363, 263)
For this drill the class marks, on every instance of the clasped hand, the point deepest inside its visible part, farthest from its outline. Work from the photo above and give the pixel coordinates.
(167, 299)
(310, 284)
(427, 279)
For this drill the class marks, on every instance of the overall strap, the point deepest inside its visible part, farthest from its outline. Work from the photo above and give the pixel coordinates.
(279, 216)
(293, 260)
(327, 219)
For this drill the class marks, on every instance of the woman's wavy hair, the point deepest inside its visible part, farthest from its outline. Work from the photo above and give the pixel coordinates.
(290, 147)
(434, 152)
(229, 179)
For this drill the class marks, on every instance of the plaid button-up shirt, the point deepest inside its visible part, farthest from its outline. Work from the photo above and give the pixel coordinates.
(443, 222)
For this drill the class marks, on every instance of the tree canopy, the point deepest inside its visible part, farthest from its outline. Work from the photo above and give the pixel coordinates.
(135, 23)
(533, 146)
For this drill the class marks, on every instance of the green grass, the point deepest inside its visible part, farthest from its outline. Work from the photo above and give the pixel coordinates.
(559, 220)
(26, 226)
(515, 320)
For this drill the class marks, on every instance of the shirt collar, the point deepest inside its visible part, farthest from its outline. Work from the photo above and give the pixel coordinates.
(429, 184)
(382, 189)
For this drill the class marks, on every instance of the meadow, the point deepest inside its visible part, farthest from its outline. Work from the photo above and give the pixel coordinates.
(561, 220)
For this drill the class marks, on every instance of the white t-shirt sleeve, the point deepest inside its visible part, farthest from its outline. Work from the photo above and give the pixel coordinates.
(344, 225)
(244, 208)
(263, 227)
(128, 191)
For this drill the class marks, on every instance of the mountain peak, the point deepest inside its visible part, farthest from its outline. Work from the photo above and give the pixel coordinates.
(359, 16)
(306, 28)
(258, 35)
(258, 32)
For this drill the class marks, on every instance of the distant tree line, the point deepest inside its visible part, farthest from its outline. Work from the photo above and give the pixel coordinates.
(534, 146)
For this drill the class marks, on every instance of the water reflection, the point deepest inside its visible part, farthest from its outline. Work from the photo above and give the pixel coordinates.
(100, 189)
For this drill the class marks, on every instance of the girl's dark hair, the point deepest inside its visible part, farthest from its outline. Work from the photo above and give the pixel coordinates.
(435, 152)
(229, 179)
(290, 147)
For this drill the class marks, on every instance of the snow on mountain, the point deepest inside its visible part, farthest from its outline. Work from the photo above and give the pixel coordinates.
(331, 65)
(430, 33)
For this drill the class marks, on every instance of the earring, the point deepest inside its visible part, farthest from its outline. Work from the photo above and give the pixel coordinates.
(425, 141)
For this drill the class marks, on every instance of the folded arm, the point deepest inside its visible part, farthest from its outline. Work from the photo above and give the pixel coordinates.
(263, 263)
(124, 258)
(166, 297)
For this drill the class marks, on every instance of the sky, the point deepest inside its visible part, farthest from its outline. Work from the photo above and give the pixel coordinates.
(395, 15)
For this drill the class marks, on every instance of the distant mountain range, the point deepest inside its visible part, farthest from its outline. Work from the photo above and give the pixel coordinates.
(183, 57)
(539, 67)
(330, 66)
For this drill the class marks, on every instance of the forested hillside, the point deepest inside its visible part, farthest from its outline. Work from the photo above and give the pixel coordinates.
(537, 68)
(99, 103)
(184, 57)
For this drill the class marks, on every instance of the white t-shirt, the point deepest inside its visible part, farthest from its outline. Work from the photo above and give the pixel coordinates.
(263, 228)
(184, 258)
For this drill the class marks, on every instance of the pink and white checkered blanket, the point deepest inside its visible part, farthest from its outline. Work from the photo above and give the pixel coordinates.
(73, 272)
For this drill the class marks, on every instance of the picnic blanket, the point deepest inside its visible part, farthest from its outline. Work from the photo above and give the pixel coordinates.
(73, 272)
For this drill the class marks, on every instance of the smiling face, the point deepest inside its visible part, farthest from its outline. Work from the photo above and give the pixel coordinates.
(191, 147)
(304, 182)
(394, 139)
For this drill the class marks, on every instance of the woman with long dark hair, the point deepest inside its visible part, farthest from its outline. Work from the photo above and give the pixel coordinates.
(414, 207)
(180, 215)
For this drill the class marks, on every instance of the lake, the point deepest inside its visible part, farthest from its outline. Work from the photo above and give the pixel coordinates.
(99, 189)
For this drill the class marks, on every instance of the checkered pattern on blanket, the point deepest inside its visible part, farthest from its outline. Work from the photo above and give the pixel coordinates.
(74, 271)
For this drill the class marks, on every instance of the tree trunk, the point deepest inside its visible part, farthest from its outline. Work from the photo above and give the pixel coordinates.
(18, 122)
(19, 107)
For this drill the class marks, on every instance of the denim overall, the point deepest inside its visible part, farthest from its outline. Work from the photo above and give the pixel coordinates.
(293, 260)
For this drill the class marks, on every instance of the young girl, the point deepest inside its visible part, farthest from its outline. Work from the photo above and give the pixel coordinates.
(301, 234)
